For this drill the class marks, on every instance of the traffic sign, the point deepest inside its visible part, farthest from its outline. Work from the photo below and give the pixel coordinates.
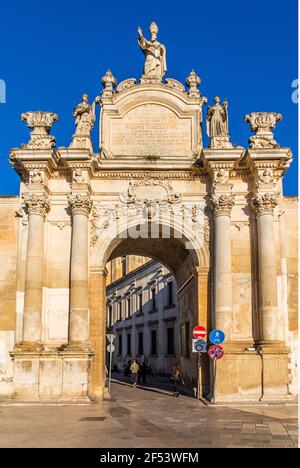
(199, 332)
(199, 346)
(110, 337)
(215, 352)
(217, 337)
(110, 348)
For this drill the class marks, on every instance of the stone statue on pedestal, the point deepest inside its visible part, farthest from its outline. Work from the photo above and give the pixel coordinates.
(155, 66)
(217, 125)
(85, 116)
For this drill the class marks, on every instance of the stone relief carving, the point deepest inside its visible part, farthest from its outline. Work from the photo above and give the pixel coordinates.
(78, 176)
(131, 196)
(36, 177)
(109, 82)
(105, 216)
(80, 204)
(41, 124)
(85, 117)
(263, 124)
(266, 176)
(155, 66)
(175, 84)
(222, 204)
(126, 84)
(217, 125)
(37, 204)
(264, 204)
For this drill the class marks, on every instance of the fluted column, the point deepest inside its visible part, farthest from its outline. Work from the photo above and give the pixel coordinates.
(222, 205)
(37, 206)
(271, 318)
(79, 302)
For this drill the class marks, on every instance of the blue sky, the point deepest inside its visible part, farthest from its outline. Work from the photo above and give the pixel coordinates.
(54, 51)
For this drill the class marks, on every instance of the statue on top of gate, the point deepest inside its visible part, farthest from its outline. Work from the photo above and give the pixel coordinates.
(155, 66)
(217, 125)
(85, 116)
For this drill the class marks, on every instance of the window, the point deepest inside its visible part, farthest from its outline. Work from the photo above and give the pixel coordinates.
(141, 343)
(120, 345)
(170, 341)
(110, 318)
(129, 344)
(124, 266)
(170, 293)
(128, 314)
(187, 339)
(153, 351)
(153, 298)
(140, 303)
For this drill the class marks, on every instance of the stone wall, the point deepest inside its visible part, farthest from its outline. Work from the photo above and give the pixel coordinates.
(8, 264)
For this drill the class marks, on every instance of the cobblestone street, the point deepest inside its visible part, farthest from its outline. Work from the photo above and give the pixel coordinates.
(148, 418)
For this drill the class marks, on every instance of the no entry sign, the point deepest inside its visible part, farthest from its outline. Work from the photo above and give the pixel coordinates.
(199, 332)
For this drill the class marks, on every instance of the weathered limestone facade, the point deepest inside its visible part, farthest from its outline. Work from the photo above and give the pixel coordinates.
(216, 217)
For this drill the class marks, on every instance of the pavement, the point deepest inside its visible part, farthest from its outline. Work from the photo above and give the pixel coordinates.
(148, 418)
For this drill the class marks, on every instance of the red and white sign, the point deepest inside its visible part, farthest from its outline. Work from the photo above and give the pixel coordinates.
(199, 332)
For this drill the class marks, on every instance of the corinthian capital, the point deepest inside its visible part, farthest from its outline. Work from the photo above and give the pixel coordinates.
(80, 204)
(40, 123)
(222, 204)
(37, 204)
(264, 204)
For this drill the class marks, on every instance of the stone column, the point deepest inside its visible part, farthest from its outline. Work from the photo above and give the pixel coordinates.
(79, 302)
(222, 205)
(271, 319)
(97, 297)
(37, 206)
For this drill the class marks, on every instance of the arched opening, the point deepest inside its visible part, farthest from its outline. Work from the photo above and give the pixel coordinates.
(151, 309)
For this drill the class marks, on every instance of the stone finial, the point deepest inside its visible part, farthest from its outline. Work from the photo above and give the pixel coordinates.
(37, 204)
(109, 82)
(80, 204)
(222, 204)
(193, 81)
(263, 124)
(41, 124)
(264, 204)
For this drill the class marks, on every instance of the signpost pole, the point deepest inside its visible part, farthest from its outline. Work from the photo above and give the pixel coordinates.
(199, 377)
(110, 363)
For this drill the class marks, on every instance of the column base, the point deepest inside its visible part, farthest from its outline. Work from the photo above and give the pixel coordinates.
(52, 375)
(77, 346)
(28, 346)
(250, 375)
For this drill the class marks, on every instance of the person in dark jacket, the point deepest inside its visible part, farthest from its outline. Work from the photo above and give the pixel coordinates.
(176, 378)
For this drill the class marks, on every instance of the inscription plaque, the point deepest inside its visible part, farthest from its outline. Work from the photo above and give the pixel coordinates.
(151, 130)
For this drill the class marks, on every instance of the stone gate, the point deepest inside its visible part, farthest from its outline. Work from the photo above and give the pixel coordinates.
(216, 217)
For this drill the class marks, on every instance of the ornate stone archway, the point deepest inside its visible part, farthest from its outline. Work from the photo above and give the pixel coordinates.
(219, 209)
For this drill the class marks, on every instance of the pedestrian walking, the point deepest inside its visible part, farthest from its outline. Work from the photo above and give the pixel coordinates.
(176, 378)
(134, 368)
(144, 371)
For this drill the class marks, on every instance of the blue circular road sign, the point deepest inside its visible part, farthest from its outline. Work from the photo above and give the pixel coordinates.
(200, 346)
(217, 336)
